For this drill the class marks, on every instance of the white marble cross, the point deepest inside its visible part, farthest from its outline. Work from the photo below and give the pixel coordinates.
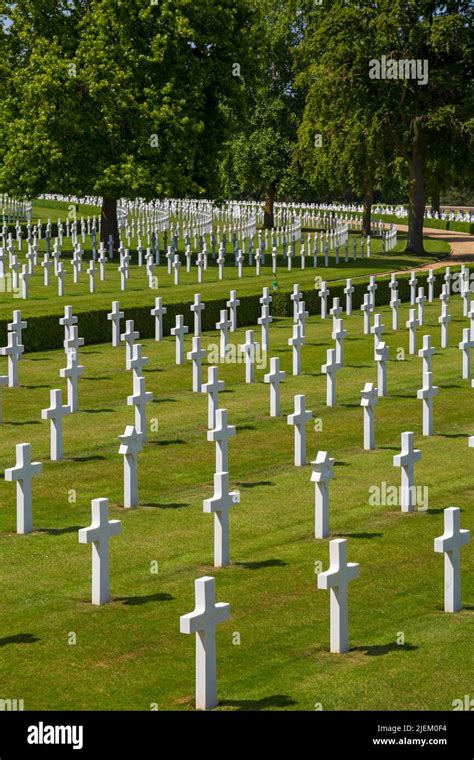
(55, 413)
(335, 311)
(74, 342)
(330, 370)
(412, 283)
(445, 318)
(13, 350)
(366, 309)
(212, 388)
(137, 362)
(450, 544)
(196, 355)
(426, 353)
(98, 534)
(139, 399)
(322, 473)
(131, 443)
(323, 295)
(61, 275)
(421, 299)
(406, 460)
(377, 330)
(68, 321)
(274, 377)
(394, 304)
(265, 321)
(369, 398)
(336, 580)
(338, 335)
(17, 325)
(426, 395)
(221, 434)
(232, 305)
(371, 288)
(348, 291)
(296, 341)
(72, 372)
(203, 621)
(23, 473)
(296, 297)
(381, 358)
(298, 419)
(431, 279)
(158, 312)
(196, 308)
(220, 504)
(115, 316)
(223, 326)
(248, 350)
(412, 324)
(302, 317)
(465, 346)
(91, 271)
(129, 337)
(179, 331)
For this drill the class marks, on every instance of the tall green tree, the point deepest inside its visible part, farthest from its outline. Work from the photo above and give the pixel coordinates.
(343, 45)
(119, 97)
(259, 155)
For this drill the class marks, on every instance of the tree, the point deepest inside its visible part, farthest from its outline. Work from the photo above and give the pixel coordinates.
(119, 97)
(259, 155)
(353, 46)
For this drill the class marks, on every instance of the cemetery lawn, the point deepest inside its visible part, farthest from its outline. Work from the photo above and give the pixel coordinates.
(130, 654)
(44, 300)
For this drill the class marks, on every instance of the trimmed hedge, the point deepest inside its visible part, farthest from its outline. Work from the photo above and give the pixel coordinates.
(44, 333)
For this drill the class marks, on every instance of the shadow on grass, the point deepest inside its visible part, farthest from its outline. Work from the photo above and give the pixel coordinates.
(32, 387)
(262, 564)
(96, 411)
(276, 700)
(359, 535)
(23, 422)
(246, 427)
(256, 484)
(164, 401)
(171, 505)
(59, 531)
(99, 377)
(137, 600)
(91, 458)
(453, 435)
(377, 650)
(19, 638)
(174, 441)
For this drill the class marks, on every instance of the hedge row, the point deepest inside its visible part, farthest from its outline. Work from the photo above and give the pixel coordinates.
(44, 333)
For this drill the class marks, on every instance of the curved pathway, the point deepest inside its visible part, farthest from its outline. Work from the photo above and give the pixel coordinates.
(461, 244)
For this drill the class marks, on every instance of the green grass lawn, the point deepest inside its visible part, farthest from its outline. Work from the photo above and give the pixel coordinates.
(130, 654)
(43, 300)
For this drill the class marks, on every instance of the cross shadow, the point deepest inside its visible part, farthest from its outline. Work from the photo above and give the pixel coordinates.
(171, 505)
(32, 387)
(96, 411)
(453, 435)
(100, 377)
(24, 422)
(341, 464)
(359, 535)
(138, 600)
(389, 448)
(60, 531)
(164, 401)
(377, 650)
(19, 638)
(91, 458)
(262, 564)
(254, 705)
(246, 427)
(256, 484)
(170, 443)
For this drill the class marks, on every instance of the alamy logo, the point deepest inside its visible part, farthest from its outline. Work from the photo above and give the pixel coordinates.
(463, 704)
(42, 734)
(389, 68)
(11, 705)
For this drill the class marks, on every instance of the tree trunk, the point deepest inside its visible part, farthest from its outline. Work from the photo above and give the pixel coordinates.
(268, 214)
(108, 222)
(367, 214)
(416, 199)
(435, 202)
